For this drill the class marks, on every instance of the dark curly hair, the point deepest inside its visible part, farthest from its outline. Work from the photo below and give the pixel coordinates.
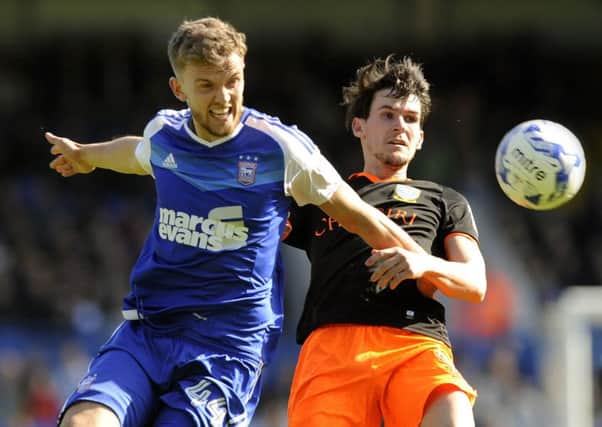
(403, 76)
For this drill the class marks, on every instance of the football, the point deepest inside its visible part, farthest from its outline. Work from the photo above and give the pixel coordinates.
(540, 164)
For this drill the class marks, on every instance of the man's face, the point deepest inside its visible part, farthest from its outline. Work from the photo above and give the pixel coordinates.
(213, 94)
(392, 133)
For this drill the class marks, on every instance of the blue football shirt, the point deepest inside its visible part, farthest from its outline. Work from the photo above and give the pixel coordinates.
(221, 211)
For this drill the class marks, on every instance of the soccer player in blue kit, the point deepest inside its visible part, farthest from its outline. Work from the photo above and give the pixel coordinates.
(205, 308)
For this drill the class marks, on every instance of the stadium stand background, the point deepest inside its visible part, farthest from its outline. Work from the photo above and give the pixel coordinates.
(93, 70)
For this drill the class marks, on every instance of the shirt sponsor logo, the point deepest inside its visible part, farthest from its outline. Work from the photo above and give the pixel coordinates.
(247, 168)
(222, 229)
(399, 215)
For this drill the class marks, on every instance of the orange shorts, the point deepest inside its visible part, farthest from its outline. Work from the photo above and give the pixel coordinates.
(353, 375)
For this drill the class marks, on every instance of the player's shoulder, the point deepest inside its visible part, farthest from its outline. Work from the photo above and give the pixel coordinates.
(443, 192)
(286, 135)
(167, 118)
(251, 114)
(261, 120)
(433, 186)
(173, 118)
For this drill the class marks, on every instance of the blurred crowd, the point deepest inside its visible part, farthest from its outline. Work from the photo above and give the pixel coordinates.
(66, 246)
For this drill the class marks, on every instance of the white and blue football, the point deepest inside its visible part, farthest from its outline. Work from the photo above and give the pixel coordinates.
(540, 164)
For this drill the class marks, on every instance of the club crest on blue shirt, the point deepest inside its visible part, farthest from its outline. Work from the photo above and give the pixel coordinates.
(405, 193)
(247, 167)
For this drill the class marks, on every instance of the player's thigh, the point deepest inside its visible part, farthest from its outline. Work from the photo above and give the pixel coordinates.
(420, 381)
(324, 401)
(115, 381)
(451, 408)
(316, 414)
(89, 414)
(330, 387)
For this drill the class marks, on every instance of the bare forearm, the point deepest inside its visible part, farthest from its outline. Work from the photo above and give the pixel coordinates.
(461, 275)
(462, 278)
(458, 280)
(385, 233)
(118, 155)
(360, 218)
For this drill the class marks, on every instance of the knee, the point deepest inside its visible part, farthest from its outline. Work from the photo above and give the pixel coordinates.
(89, 414)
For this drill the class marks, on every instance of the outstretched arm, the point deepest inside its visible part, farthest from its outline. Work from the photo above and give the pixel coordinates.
(358, 217)
(461, 275)
(73, 158)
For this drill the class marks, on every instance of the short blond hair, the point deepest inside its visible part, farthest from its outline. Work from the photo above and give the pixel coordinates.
(206, 41)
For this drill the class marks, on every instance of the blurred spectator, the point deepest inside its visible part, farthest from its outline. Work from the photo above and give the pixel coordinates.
(506, 399)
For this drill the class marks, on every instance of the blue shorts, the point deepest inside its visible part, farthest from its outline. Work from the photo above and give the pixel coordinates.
(160, 377)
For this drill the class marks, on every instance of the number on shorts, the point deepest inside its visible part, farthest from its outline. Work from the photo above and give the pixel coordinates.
(199, 395)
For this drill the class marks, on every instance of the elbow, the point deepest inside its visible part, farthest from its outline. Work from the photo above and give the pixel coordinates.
(479, 287)
(478, 295)
(467, 295)
(472, 297)
(474, 294)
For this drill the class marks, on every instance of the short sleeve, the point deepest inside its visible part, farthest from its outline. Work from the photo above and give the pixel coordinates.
(458, 217)
(312, 181)
(143, 154)
(308, 176)
(143, 149)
